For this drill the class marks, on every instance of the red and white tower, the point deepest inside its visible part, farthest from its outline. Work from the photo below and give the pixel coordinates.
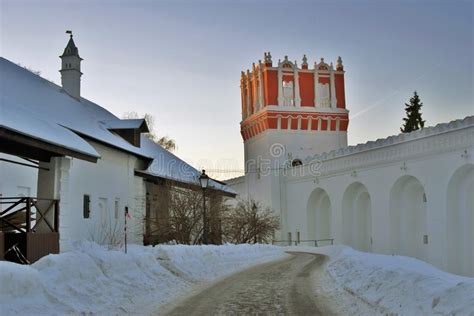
(289, 113)
(302, 109)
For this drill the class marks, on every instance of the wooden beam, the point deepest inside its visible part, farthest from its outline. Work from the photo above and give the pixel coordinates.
(24, 164)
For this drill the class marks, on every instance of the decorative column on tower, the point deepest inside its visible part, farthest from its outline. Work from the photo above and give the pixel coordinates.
(249, 94)
(256, 96)
(333, 87)
(297, 86)
(280, 83)
(316, 80)
(260, 84)
(243, 95)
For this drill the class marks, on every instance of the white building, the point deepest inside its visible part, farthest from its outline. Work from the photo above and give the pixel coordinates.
(410, 194)
(61, 147)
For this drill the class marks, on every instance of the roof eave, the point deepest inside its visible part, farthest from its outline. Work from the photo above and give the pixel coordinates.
(44, 145)
(193, 186)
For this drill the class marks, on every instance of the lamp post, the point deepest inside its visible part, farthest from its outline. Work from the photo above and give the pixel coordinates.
(204, 180)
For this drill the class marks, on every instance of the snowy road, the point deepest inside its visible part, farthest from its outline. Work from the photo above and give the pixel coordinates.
(277, 288)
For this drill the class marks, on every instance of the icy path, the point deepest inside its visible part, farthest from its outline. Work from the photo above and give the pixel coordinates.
(277, 288)
(341, 281)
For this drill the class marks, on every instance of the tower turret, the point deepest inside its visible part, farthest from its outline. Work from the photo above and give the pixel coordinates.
(301, 109)
(71, 69)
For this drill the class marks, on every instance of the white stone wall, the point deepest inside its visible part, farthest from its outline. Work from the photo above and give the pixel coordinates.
(408, 195)
(109, 181)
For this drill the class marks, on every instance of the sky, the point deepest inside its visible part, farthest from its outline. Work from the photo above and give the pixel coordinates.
(180, 61)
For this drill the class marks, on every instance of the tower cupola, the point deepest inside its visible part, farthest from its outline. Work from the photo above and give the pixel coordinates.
(71, 69)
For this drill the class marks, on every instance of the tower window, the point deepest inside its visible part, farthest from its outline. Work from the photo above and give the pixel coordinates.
(296, 162)
(288, 93)
(322, 95)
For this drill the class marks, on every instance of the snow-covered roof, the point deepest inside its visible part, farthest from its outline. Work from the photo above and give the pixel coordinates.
(48, 102)
(168, 166)
(40, 109)
(18, 119)
(468, 121)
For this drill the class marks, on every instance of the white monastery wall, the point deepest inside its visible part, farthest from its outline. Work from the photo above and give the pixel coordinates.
(409, 195)
(111, 186)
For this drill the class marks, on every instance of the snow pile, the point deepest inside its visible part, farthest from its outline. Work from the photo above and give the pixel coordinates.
(91, 279)
(397, 284)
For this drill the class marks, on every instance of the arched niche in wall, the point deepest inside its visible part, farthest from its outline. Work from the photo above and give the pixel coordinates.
(460, 221)
(319, 215)
(408, 218)
(357, 217)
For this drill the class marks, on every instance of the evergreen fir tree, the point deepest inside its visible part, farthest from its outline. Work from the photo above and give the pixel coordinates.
(413, 121)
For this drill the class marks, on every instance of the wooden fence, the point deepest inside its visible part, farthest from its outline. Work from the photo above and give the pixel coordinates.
(29, 228)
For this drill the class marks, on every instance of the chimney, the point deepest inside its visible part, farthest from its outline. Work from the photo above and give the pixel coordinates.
(71, 69)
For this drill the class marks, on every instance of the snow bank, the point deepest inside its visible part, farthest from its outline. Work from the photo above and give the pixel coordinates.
(92, 279)
(397, 284)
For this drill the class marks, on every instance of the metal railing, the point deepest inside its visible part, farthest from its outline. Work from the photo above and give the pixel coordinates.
(312, 242)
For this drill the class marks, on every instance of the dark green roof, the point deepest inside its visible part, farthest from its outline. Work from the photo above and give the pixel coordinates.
(71, 49)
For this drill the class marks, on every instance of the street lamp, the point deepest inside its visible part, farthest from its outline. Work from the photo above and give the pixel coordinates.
(204, 180)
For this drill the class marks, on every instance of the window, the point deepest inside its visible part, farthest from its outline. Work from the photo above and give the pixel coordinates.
(296, 162)
(288, 93)
(104, 212)
(322, 95)
(86, 206)
(117, 206)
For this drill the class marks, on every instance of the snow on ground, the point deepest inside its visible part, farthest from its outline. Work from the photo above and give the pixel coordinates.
(92, 279)
(387, 284)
